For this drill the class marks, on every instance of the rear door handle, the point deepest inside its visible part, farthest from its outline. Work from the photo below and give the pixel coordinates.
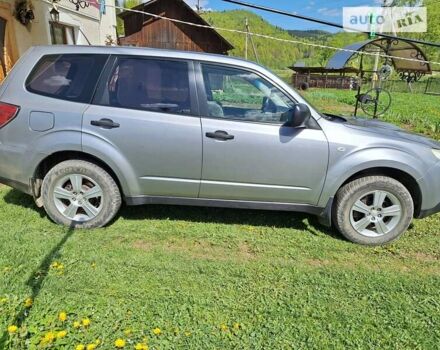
(105, 123)
(219, 135)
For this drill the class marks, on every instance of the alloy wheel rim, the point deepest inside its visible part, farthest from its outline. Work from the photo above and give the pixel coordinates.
(78, 197)
(376, 213)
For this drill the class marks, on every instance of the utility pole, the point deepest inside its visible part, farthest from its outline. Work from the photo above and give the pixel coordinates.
(248, 35)
(246, 25)
(388, 4)
(198, 6)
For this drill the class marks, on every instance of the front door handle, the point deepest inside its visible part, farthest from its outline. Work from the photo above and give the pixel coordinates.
(219, 135)
(105, 123)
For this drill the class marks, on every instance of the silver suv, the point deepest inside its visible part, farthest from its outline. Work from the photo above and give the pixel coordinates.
(83, 129)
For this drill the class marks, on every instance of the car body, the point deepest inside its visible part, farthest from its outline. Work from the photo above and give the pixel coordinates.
(190, 142)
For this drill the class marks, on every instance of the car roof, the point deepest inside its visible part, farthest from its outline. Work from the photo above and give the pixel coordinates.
(152, 52)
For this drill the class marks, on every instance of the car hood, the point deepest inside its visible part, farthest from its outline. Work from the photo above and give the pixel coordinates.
(388, 130)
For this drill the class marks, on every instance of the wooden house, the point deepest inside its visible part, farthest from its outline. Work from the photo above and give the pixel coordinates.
(144, 30)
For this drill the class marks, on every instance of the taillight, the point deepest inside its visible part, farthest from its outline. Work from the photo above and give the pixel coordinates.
(7, 113)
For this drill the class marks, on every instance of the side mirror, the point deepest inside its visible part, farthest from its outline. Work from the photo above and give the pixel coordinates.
(297, 116)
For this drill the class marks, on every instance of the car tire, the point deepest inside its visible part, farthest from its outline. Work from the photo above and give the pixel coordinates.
(80, 194)
(373, 210)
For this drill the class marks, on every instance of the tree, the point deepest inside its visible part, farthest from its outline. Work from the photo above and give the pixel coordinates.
(128, 4)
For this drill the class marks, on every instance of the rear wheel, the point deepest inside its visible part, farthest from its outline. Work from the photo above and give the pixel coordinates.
(80, 194)
(373, 210)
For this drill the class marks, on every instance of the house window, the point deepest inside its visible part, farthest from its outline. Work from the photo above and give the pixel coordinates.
(62, 34)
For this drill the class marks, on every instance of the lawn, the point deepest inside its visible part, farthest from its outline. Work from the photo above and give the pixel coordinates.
(200, 278)
(415, 112)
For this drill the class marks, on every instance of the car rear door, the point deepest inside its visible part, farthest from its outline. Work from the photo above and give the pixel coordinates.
(145, 114)
(248, 154)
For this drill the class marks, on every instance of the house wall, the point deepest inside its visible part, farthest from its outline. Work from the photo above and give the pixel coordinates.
(143, 30)
(88, 23)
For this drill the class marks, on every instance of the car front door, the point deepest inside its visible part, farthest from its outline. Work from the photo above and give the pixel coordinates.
(145, 114)
(248, 154)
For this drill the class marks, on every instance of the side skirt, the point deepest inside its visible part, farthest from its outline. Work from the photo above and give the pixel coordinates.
(322, 213)
(15, 184)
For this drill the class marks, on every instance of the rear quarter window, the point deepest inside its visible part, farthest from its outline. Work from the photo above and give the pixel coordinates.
(69, 77)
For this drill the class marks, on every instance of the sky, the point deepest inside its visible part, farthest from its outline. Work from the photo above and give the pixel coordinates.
(330, 10)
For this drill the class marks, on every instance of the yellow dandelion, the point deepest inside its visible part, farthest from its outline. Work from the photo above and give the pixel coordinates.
(236, 325)
(80, 347)
(223, 327)
(91, 346)
(62, 316)
(61, 334)
(86, 322)
(97, 342)
(60, 266)
(76, 324)
(187, 334)
(12, 329)
(54, 265)
(49, 337)
(93, 264)
(28, 302)
(141, 346)
(157, 331)
(119, 343)
(3, 300)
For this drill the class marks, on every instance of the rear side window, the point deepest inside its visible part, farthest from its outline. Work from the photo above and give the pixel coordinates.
(148, 84)
(67, 77)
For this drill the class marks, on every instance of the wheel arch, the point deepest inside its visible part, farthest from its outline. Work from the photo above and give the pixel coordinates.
(403, 177)
(53, 159)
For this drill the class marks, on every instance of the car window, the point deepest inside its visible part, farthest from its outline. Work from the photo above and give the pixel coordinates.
(70, 77)
(148, 84)
(239, 94)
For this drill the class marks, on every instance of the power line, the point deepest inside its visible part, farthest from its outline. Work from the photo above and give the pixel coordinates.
(331, 24)
(292, 41)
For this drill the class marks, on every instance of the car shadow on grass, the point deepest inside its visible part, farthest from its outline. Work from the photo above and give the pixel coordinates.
(261, 218)
(227, 216)
(35, 281)
(17, 198)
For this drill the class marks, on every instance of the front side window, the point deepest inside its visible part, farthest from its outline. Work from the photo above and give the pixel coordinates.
(242, 95)
(70, 77)
(62, 34)
(148, 84)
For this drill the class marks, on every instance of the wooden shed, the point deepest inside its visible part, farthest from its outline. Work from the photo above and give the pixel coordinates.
(322, 77)
(144, 30)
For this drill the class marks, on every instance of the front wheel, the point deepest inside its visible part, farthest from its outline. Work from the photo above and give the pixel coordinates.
(80, 194)
(373, 210)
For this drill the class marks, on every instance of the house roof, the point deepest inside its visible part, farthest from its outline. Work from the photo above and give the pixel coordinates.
(198, 19)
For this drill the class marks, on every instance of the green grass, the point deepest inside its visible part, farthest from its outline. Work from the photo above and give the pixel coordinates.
(416, 112)
(219, 278)
(283, 280)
